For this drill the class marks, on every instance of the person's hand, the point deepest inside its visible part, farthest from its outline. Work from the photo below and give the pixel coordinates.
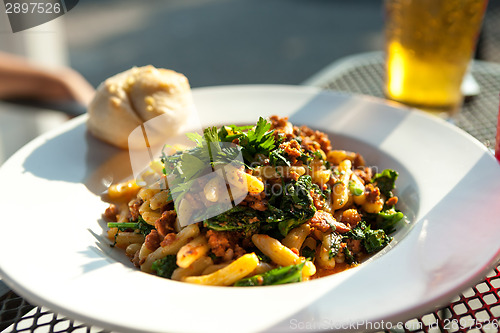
(66, 85)
(21, 79)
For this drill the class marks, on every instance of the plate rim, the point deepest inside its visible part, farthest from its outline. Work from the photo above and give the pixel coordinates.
(78, 121)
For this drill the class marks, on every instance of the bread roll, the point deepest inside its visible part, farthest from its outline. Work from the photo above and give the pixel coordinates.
(130, 99)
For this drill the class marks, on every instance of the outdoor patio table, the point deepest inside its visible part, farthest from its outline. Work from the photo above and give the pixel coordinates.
(360, 74)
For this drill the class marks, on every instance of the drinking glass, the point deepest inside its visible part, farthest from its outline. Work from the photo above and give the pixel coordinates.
(429, 45)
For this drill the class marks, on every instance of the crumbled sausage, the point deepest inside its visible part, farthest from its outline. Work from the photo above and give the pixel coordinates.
(319, 137)
(340, 227)
(292, 149)
(321, 221)
(169, 239)
(110, 214)
(168, 206)
(238, 251)
(152, 241)
(224, 244)
(134, 208)
(364, 174)
(165, 224)
(310, 144)
(372, 193)
(354, 245)
(318, 200)
(278, 122)
(324, 222)
(219, 242)
(136, 259)
(256, 201)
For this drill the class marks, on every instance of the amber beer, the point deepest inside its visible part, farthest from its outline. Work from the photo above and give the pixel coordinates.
(429, 44)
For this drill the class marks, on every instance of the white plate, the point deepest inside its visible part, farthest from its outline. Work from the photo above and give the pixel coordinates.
(53, 251)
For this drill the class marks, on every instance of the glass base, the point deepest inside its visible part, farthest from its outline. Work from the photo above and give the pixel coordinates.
(446, 112)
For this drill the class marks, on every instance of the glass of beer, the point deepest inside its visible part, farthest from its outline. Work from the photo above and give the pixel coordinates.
(429, 45)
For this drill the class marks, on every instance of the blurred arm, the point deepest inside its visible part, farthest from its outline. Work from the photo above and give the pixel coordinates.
(20, 78)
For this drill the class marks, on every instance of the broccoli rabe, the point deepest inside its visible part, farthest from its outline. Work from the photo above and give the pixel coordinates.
(164, 267)
(141, 226)
(385, 181)
(372, 240)
(350, 259)
(386, 219)
(296, 203)
(308, 253)
(389, 216)
(284, 212)
(277, 157)
(281, 275)
(239, 218)
(375, 240)
(335, 241)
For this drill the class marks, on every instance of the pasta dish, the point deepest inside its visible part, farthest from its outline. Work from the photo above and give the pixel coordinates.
(255, 205)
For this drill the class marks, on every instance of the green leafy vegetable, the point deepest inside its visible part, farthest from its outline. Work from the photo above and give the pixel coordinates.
(356, 233)
(317, 155)
(239, 218)
(372, 240)
(262, 257)
(278, 158)
(288, 224)
(195, 137)
(192, 165)
(164, 267)
(183, 168)
(335, 240)
(257, 140)
(285, 211)
(350, 259)
(212, 139)
(386, 219)
(281, 275)
(308, 253)
(385, 181)
(122, 226)
(296, 203)
(141, 226)
(375, 240)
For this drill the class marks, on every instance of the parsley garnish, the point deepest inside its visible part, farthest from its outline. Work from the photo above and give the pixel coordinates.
(256, 140)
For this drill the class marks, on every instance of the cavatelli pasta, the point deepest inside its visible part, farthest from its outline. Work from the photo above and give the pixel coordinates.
(306, 212)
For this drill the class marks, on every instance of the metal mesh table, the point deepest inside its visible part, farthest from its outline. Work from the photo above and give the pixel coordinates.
(17, 315)
(364, 74)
